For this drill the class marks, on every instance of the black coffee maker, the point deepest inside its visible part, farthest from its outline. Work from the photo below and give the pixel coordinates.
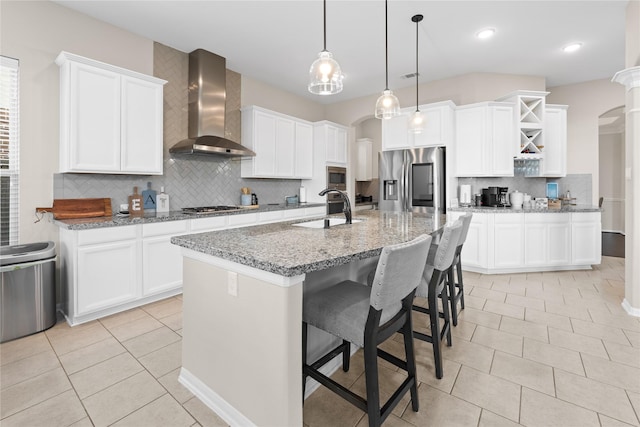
(495, 196)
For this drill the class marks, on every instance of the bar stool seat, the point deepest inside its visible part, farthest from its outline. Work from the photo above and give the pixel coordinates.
(368, 316)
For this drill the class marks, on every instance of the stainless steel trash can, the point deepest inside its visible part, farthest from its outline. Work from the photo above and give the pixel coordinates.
(27, 289)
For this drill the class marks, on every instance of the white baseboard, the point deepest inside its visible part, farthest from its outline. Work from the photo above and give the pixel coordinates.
(213, 400)
(632, 311)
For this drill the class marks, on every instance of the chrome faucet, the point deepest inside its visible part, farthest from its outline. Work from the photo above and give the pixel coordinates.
(345, 197)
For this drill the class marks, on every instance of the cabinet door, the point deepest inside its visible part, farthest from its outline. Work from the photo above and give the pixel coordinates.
(502, 135)
(141, 131)
(554, 162)
(474, 250)
(285, 148)
(162, 265)
(304, 151)
(341, 146)
(264, 144)
(559, 247)
(471, 131)
(107, 275)
(364, 170)
(509, 240)
(436, 129)
(395, 132)
(94, 120)
(586, 239)
(536, 242)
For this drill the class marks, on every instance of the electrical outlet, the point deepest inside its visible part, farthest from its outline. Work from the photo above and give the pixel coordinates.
(232, 283)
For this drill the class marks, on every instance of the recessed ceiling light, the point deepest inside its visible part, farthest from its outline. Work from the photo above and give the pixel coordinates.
(572, 47)
(486, 33)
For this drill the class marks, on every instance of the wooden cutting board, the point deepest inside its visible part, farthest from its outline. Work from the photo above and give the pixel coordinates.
(79, 208)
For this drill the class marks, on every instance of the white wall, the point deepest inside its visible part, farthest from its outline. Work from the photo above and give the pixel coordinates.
(611, 149)
(587, 102)
(35, 33)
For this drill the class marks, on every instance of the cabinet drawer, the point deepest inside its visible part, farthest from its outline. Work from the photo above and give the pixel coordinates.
(554, 218)
(211, 223)
(270, 216)
(315, 211)
(585, 217)
(244, 219)
(103, 235)
(163, 228)
(294, 213)
(509, 218)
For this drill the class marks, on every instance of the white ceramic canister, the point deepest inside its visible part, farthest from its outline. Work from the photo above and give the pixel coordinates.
(516, 198)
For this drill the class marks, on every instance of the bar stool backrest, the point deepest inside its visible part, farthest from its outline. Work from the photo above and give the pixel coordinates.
(466, 222)
(398, 273)
(447, 246)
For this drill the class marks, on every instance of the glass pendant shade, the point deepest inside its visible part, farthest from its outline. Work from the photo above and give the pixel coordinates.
(416, 122)
(325, 75)
(387, 105)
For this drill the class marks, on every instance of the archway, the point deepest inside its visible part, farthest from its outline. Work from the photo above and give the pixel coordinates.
(611, 143)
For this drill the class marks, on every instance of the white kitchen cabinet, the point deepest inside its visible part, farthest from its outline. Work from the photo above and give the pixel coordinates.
(282, 145)
(508, 240)
(332, 140)
(364, 162)
(586, 238)
(484, 139)
(161, 260)
(474, 250)
(111, 119)
(547, 239)
(438, 129)
(554, 162)
(100, 268)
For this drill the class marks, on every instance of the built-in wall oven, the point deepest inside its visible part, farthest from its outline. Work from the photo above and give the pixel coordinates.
(336, 178)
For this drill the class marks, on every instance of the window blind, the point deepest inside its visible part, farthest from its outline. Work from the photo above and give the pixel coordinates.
(9, 150)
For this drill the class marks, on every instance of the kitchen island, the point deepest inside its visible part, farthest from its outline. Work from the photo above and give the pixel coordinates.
(242, 312)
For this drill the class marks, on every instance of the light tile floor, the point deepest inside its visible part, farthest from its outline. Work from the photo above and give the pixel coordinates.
(544, 349)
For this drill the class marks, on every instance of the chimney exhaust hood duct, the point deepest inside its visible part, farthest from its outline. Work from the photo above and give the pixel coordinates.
(207, 93)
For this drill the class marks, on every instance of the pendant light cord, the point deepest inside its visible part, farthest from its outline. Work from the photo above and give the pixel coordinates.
(417, 109)
(386, 49)
(325, 24)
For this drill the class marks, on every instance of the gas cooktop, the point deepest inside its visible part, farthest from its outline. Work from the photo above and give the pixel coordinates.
(209, 209)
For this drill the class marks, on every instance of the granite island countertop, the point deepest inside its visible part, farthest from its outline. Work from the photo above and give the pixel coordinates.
(491, 209)
(288, 250)
(118, 220)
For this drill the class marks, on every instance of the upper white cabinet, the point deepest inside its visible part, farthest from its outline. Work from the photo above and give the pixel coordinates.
(110, 118)
(331, 139)
(364, 169)
(529, 115)
(484, 139)
(438, 129)
(283, 145)
(554, 162)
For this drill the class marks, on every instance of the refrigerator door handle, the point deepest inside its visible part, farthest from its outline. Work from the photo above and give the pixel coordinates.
(406, 205)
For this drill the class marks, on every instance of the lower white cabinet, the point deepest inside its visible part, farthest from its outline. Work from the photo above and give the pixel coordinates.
(108, 270)
(514, 242)
(161, 260)
(547, 239)
(586, 240)
(508, 235)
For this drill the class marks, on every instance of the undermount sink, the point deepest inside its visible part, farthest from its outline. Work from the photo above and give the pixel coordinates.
(320, 223)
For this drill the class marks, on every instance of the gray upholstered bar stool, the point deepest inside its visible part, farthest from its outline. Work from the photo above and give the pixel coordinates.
(368, 316)
(433, 287)
(456, 288)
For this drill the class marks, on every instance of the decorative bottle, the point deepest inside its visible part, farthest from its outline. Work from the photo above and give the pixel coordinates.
(135, 203)
(162, 202)
(149, 198)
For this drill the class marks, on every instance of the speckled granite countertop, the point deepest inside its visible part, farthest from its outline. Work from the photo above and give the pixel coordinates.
(284, 249)
(117, 221)
(489, 209)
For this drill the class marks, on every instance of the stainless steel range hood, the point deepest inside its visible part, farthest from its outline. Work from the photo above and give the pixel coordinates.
(207, 94)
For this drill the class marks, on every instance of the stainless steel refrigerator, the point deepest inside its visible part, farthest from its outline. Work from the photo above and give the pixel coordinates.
(413, 180)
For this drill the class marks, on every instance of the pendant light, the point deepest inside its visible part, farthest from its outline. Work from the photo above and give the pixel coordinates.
(416, 121)
(325, 76)
(387, 105)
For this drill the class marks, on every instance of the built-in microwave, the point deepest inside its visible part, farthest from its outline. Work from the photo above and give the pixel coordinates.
(336, 178)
